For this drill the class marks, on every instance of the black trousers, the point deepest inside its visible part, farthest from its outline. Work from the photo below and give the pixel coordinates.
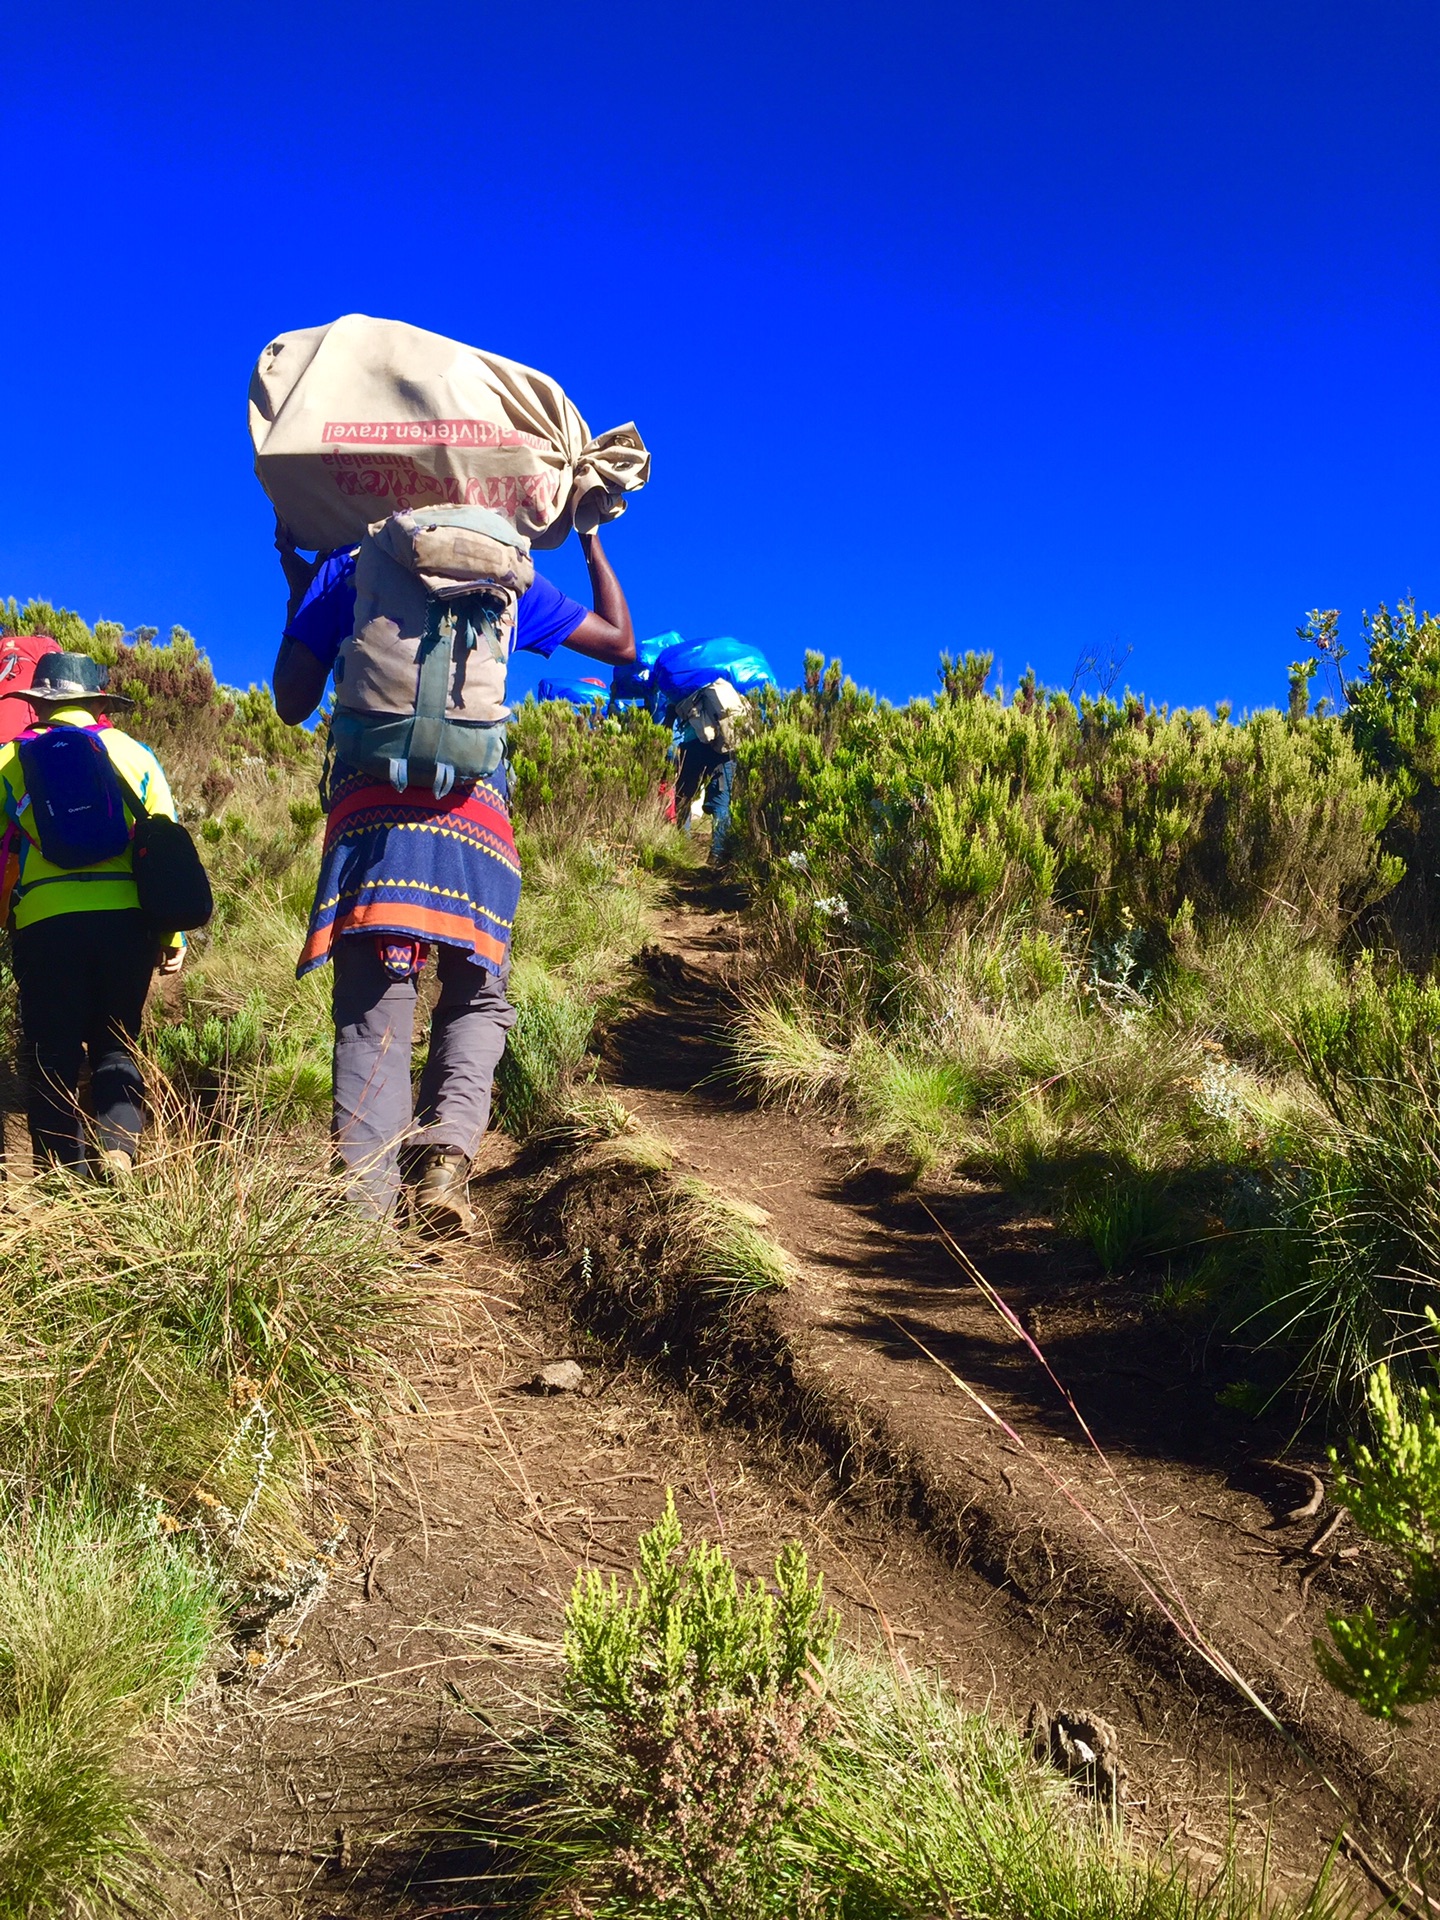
(83, 980)
(699, 763)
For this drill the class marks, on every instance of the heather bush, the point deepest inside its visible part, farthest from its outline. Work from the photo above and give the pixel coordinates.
(579, 772)
(202, 732)
(877, 834)
(710, 1755)
(1391, 1487)
(1392, 712)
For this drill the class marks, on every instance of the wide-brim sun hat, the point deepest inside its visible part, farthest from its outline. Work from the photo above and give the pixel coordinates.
(68, 680)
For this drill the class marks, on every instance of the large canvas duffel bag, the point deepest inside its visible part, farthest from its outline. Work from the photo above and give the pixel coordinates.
(364, 418)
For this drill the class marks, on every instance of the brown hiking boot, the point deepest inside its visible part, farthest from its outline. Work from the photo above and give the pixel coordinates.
(115, 1167)
(441, 1198)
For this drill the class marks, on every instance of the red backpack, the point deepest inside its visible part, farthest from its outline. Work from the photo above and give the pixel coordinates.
(20, 654)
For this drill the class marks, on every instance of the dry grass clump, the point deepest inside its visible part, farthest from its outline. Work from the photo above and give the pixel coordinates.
(1035, 1057)
(781, 1055)
(721, 1243)
(140, 1325)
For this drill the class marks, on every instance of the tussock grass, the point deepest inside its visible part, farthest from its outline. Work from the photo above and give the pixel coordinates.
(1342, 1261)
(139, 1324)
(104, 1624)
(1122, 1217)
(721, 1243)
(1033, 1057)
(245, 1024)
(918, 1107)
(780, 1054)
(922, 1806)
(585, 910)
(546, 1051)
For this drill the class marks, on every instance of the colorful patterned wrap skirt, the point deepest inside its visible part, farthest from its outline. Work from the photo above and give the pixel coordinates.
(416, 867)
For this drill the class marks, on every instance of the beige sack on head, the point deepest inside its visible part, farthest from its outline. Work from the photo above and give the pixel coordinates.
(365, 417)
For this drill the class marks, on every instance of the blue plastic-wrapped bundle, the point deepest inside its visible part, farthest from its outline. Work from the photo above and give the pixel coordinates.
(635, 679)
(692, 664)
(580, 693)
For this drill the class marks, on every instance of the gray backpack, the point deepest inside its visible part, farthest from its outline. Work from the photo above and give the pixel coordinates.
(420, 683)
(716, 714)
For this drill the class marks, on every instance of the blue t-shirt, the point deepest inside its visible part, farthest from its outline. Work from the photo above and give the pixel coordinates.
(544, 619)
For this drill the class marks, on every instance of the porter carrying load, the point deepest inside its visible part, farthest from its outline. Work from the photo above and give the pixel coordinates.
(365, 418)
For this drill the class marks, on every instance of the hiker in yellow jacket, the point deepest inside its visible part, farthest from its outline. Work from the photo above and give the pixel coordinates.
(82, 950)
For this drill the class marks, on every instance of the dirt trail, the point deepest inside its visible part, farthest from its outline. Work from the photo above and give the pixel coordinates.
(308, 1793)
(1063, 1615)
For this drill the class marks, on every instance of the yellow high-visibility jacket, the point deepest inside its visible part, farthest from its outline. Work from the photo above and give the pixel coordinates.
(37, 889)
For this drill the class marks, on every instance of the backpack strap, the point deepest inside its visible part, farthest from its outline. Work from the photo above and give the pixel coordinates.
(450, 627)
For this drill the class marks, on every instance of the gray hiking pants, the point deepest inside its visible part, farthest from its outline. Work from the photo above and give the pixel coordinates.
(374, 1027)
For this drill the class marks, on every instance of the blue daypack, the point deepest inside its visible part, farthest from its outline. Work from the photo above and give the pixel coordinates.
(77, 801)
(580, 693)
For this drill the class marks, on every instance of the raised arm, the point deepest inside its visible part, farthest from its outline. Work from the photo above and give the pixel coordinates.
(606, 634)
(299, 677)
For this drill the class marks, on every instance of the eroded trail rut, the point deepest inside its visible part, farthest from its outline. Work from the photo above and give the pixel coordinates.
(1043, 1605)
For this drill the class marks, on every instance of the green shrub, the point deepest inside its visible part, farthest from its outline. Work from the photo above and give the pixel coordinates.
(1392, 1489)
(687, 1635)
(686, 1740)
(710, 1755)
(585, 774)
(1393, 715)
(201, 730)
(883, 832)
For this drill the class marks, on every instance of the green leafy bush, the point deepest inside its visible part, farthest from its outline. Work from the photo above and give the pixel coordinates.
(880, 833)
(710, 1755)
(201, 730)
(585, 770)
(1392, 1488)
(688, 1635)
(1393, 715)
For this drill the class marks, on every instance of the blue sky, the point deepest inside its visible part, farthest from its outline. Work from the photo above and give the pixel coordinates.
(1038, 327)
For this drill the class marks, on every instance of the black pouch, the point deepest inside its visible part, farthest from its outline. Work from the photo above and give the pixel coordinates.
(170, 876)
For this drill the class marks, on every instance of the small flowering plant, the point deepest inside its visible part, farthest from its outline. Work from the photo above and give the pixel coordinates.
(710, 1695)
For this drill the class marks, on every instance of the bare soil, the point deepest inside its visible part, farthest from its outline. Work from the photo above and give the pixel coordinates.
(317, 1788)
